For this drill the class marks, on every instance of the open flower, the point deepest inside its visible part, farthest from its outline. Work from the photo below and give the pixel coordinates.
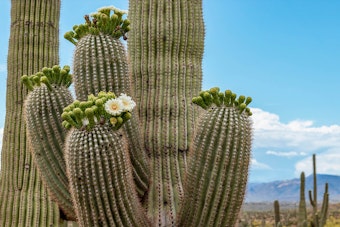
(85, 121)
(114, 107)
(128, 103)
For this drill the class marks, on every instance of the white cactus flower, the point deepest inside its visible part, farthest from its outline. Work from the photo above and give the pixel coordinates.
(114, 107)
(128, 103)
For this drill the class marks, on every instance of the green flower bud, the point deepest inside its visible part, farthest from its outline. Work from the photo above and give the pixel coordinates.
(227, 97)
(67, 117)
(27, 82)
(248, 111)
(119, 123)
(113, 121)
(66, 125)
(67, 68)
(46, 81)
(76, 103)
(199, 101)
(207, 98)
(248, 100)
(241, 99)
(56, 69)
(126, 116)
(221, 97)
(36, 80)
(89, 113)
(233, 98)
(70, 37)
(242, 107)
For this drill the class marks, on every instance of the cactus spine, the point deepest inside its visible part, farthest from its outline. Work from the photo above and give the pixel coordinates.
(43, 108)
(218, 163)
(33, 44)
(165, 47)
(98, 164)
(100, 64)
(319, 218)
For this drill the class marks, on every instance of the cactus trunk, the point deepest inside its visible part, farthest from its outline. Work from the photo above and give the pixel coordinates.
(165, 48)
(33, 44)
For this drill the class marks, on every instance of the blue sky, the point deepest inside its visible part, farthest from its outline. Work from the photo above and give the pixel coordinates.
(283, 53)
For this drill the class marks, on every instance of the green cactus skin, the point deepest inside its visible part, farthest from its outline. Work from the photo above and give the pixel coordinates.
(33, 43)
(319, 218)
(218, 167)
(43, 107)
(302, 214)
(100, 64)
(102, 186)
(165, 47)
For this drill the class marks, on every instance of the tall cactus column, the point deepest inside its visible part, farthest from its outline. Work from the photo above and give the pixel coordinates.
(165, 47)
(33, 44)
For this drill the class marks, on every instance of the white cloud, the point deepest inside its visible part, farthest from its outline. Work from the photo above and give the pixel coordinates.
(287, 154)
(326, 163)
(298, 135)
(258, 165)
(296, 139)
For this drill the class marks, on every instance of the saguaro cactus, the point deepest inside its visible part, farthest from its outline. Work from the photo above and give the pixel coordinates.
(43, 109)
(277, 214)
(33, 44)
(302, 214)
(165, 50)
(319, 218)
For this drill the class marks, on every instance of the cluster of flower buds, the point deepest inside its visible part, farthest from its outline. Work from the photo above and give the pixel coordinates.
(102, 109)
(54, 76)
(101, 22)
(214, 97)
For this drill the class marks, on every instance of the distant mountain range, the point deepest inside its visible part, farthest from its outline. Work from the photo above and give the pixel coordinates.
(289, 190)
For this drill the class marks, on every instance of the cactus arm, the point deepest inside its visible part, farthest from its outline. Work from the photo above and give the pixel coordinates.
(33, 44)
(324, 208)
(43, 107)
(165, 47)
(98, 164)
(218, 165)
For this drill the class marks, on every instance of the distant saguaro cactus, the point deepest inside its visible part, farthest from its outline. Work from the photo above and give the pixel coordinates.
(302, 214)
(319, 218)
(277, 215)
